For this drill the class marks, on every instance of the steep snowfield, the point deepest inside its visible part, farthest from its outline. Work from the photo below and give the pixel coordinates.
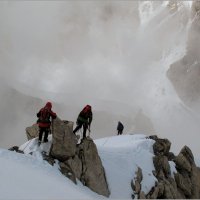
(121, 156)
(29, 177)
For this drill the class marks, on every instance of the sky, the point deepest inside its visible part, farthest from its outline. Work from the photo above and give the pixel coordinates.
(113, 55)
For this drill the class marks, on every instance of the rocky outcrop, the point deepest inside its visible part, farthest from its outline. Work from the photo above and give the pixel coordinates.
(184, 183)
(76, 161)
(184, 73)
(64, 140)
(32, 131)
(16, 149)
(93, 174)
(136, 183)
(86, 165)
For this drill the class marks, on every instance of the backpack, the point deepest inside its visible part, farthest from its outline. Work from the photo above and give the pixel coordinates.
(120, 126)
(86, 111)
(44, 115)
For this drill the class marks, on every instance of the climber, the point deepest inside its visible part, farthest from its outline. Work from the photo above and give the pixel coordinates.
(84, 119)
(120, 128)
(44, 121)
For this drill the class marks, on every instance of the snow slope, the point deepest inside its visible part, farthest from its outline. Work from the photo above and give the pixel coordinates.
(121, 156)
(29, 177)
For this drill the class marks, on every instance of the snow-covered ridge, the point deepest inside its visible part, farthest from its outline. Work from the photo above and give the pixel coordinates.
(120, 157)
(29, 176)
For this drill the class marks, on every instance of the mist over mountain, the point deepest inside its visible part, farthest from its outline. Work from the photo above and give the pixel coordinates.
(113, 55)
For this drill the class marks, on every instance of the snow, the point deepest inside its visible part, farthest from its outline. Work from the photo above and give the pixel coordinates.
(173, 168)
(121, 156)
(28, 176)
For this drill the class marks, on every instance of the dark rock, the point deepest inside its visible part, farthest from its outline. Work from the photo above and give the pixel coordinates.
(32, 131)
(66, 170)
(161, 165)
(171, 156)
(161, 147)
(63, 141)
(153, 137)
(15, 148)
(184, 183)
(93, 174)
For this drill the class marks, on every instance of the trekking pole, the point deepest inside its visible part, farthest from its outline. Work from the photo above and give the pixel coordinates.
(26, 146)
(52, 127)
(89, 132)
(81, 133)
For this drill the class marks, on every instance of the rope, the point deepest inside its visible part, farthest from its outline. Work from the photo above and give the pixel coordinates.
(26, 146)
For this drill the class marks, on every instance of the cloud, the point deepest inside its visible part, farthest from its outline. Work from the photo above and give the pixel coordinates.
(98, 49)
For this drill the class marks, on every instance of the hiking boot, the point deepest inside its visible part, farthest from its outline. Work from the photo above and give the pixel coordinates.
(39, 143)
(45, 140)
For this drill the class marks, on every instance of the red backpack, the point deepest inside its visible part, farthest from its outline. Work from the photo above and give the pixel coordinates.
(44, 115)
(86, 109)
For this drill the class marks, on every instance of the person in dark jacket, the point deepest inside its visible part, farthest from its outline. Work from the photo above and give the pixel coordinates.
(120, 128)
(44, 122)
(84, 119)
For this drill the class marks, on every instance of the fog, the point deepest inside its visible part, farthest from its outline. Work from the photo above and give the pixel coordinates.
(113, 55)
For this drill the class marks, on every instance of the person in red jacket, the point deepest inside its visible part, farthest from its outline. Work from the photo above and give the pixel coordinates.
(44, 122)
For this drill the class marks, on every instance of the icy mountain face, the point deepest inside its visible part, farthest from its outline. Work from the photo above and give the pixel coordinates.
(184, 74)
(164, 31)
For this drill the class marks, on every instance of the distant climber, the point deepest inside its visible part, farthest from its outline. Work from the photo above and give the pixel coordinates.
(120, 128)
(44, 121)
(84, 119)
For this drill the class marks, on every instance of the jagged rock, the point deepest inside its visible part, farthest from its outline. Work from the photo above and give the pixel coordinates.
(188, 154)
(135, 184)
(63, 141)
(171, 156)
(93, 174)
(87, 167)
(153, 137)
(182, 163)
(169, 190)
(139, 176)
(180, 194)
(75, 165)
(161, 147)
(48, 158)
(32, 131)
(184, 183)
(161, 164)
(142, 195)
(161, 188)
(66, 170)
(155, 193)
(15, 148)
(195, 179)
